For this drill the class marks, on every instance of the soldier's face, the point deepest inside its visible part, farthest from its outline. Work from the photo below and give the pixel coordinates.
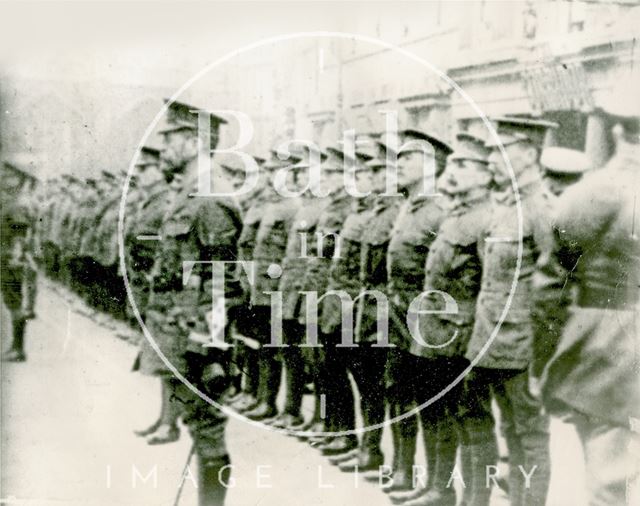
(180, 147)
(364, 181)
(378, 178)
(331, 180)
(148, 174)
(522, 156)
(461, 176)
(412, 166)
(558, 184)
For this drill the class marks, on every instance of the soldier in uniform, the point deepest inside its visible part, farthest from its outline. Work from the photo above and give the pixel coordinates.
(244, 370)
(501, 371)
(591, 379)
(247, 346)
(415, 229)
(294, 265)
(345, 276)
(322, 360)
(373, 276)
(18, 276)
(563, 167)
(146, 207)
(271, 242)
(453, 267)
(197, 230)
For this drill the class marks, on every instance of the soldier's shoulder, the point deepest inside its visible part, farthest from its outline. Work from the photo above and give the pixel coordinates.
(467, 228)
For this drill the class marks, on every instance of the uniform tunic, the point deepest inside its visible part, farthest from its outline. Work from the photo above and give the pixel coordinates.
(511, 347)
(330, 221)
(300, 244)
(416, 228)
(271, 243)
(193, 229)
(454, 267)
(344, 273)
(376, 237)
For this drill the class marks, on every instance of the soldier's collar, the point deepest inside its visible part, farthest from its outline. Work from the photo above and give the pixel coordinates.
(339, 194)
(460, 203)
(527, 184)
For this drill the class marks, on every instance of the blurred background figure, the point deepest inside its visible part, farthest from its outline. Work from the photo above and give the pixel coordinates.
(563, 167)
(18, 275)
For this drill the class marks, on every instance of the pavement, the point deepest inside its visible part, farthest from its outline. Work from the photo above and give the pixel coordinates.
(69, 412)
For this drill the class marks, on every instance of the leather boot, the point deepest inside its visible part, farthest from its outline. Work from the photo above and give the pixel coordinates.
(340, 445)
(261, 412)
(430, 439)
(270, 372)
(312, 427)
(288, 421)
(16, 352)
(213, 474)
(246, 403)
(164, 434)
(149, 430)
(440, 493)
(483, 454)
(466, 468)
(404, 449)
(368, 459)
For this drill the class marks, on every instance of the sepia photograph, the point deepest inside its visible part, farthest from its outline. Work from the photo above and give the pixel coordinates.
(313, 253)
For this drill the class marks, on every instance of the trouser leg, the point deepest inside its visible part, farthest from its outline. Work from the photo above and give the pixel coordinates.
(401, 400)
(294, 368)
(171, 407)
(479, 438)
(207, 427)
(367, 365)
(337, 391)
(19, 326)
(526, 429)
(213, 480)
(270, 368)
(269, 364)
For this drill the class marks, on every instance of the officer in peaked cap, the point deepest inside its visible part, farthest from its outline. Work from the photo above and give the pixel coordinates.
(470, 147)
(514, 129)
(181, 123)
(409, 240)
(563, 167)
(146, 207)
(502, 371)
(146, 185)
(148, 166)
(414, 140)
(596, 251)
(469, 150)
(200, 230)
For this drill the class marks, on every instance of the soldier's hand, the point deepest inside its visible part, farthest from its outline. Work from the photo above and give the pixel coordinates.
(535, 387)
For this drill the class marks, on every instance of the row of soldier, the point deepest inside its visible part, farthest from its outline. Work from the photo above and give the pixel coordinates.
(487, 241)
